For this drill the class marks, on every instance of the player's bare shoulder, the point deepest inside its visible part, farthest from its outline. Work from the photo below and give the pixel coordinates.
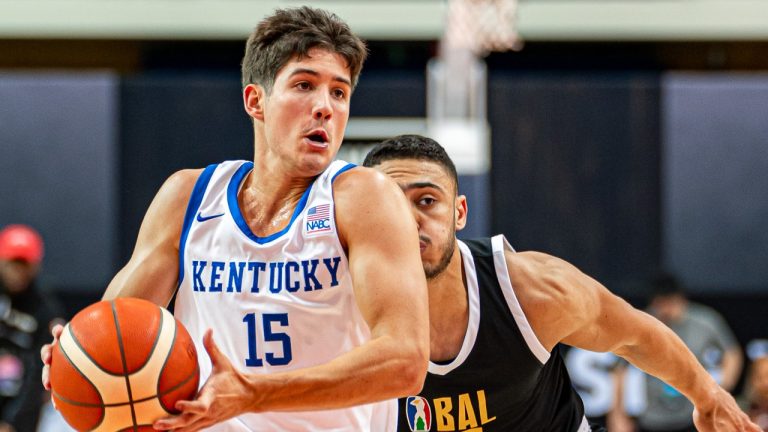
(364, 190)
(165, 215)
(365, 198)
(361, 182)
(556, 297)
(179, 185)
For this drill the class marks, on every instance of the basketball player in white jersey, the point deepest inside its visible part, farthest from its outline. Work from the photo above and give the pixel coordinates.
(496, 317)
(307, 271)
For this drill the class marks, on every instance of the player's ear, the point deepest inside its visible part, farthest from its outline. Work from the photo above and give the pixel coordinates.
(253, 100)
(461, 212)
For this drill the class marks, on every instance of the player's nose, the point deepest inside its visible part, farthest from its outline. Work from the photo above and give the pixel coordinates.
(322, 108)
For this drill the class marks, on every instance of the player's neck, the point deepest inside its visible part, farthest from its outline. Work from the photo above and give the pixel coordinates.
(268, 198)
(448, 310)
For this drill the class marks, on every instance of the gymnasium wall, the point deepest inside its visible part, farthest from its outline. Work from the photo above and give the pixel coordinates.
(58, 160)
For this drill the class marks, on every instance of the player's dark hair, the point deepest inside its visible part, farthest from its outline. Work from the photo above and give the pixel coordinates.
(412, 147)
(292, 33)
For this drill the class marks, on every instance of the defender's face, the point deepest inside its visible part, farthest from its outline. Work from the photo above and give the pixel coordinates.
(306, 113)
(438, 211)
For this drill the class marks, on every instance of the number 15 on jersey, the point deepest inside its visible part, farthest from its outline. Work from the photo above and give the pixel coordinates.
(270, 335)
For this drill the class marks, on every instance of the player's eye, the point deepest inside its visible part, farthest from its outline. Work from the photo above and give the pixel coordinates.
(303, 85)
(426, 201)
(339, 93)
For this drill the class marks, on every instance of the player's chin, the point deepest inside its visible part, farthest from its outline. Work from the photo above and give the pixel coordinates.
(314, 163)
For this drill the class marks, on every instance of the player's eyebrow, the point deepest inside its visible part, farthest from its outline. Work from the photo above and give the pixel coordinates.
(313, 72)
(420, 185)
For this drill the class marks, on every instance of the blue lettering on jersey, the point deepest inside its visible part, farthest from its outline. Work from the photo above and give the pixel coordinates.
(197, 278)
(332, 268)
(216, 268)
(309, 275)
(235, 276)
(275, 276)
(318, 225)
(214, 276)
(291, 287)
(256, 267)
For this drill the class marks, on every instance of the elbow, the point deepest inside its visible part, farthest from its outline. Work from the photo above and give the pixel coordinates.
(414, 371)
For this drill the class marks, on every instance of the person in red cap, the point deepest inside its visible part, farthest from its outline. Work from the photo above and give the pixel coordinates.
(25, 315)
(21, 250)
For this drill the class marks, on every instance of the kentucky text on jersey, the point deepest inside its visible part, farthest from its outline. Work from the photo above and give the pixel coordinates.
(256, 276)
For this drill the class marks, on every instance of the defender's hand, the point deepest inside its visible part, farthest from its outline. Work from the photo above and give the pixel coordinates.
(722, 414)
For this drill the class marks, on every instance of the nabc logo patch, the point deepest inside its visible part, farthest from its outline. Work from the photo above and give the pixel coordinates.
(419, 413)
(318, 219)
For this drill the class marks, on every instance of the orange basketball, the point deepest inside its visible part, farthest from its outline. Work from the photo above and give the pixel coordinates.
(119, 365)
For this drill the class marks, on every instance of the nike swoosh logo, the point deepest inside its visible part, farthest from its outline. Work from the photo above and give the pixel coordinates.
(201, 218)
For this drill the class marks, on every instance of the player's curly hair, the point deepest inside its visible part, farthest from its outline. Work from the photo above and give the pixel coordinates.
(412, 147)
(292, 33)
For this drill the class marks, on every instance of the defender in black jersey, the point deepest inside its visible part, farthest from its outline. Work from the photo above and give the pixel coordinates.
(497, 316)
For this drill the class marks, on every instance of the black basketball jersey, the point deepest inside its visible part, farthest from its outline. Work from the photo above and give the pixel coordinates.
(503, 379)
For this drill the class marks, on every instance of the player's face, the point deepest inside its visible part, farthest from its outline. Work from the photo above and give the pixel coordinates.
(306, 112)
(438, 211)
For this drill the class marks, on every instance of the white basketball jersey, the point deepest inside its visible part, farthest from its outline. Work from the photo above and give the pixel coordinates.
(275, 303)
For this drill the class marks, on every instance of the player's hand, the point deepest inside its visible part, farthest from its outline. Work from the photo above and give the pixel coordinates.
(722, 414)
(224, 395)
(46, 352)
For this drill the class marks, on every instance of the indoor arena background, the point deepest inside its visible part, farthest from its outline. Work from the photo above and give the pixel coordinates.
(626, 137)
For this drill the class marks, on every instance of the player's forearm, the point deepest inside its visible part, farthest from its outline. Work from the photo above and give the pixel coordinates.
(384, 368)
(661, 353)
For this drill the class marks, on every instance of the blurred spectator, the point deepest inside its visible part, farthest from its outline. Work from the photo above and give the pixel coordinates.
(755, 399)
(710, 339)
(25, 316)
(591, 376)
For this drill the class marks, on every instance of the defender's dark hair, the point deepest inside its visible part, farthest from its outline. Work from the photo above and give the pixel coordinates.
(290, 33)
(412, 147)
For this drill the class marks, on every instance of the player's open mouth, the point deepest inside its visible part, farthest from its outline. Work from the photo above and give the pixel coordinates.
(317, 138)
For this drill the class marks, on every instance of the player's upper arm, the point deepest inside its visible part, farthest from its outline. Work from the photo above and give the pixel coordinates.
(152, 271)
(565, 305)
(378, 230)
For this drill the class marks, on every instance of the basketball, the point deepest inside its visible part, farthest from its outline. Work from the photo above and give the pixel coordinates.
(120, 365)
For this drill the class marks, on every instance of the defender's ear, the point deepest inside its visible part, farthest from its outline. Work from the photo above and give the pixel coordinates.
(461, 212)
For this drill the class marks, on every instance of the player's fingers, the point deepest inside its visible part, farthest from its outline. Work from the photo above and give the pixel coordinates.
(57, 330)
(192, 407)
(751, 427)
(46, 377)
(45, 353)
(175, 422)
(217, 358)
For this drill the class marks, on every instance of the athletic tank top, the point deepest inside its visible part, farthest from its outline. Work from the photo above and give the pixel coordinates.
(275, 303)
(503, 379)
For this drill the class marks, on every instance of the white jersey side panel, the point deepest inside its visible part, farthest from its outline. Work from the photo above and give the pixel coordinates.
(275, 303)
